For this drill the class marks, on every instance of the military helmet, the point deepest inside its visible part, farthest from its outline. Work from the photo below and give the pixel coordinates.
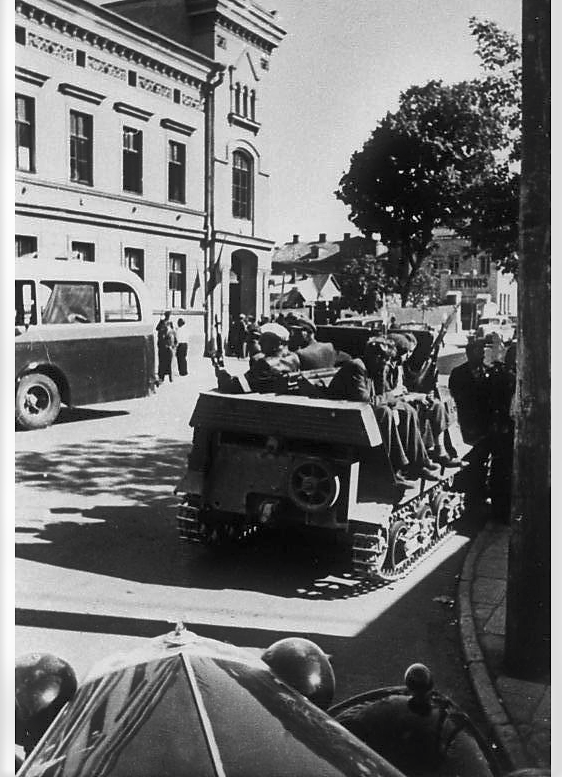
(304, 666)
(44, 683)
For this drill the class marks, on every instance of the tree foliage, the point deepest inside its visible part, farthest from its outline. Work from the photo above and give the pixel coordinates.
(363, 283)
(445, 158)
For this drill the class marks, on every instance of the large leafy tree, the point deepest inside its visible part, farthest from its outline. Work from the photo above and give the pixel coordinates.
(363, 283)
(446, 158)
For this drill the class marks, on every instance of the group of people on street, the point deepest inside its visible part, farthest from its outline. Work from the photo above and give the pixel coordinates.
(413, 424)
(170, 342)
(243, 335)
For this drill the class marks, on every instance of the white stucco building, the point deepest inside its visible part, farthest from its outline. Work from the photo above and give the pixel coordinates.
(138, 143)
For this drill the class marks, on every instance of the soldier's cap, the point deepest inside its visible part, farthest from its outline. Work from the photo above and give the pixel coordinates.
(376, 347)
(304, 323)
(412, 338)
(275, 332)
(400, 341)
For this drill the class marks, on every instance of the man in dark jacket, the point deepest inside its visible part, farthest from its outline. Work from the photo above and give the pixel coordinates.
(365, 380)
(269, 367)
(312, 354)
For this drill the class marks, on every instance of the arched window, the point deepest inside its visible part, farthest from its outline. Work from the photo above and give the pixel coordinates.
(242, 185)
(237, 98)
(253, 105)
(245, 101)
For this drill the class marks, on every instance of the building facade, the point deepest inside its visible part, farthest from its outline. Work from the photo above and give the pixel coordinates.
(137, 143)
(472, 280)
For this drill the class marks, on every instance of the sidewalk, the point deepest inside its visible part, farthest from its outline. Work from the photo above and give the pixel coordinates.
(518, 712)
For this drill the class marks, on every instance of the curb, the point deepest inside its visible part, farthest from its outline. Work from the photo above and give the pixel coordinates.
(500, 726)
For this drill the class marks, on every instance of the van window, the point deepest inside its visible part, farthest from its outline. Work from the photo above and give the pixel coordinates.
(25, 307)
(120, 302)
(64, 302)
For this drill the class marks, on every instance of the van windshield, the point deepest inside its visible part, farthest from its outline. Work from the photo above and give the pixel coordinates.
(65, 302)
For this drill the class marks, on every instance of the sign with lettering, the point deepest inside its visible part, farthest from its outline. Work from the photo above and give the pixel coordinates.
(463, 282)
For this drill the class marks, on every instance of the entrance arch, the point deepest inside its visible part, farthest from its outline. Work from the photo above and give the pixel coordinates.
(242, 293)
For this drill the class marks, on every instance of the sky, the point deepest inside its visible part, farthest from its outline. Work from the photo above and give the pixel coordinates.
(339, 70)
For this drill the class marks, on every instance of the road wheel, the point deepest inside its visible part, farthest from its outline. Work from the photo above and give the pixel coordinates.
(37, 401)
(443, 512)
(398, 550)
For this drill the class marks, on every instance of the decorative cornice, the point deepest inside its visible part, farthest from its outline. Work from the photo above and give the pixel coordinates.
(243, 121)
(176, 126)
(83, 36)
(82, 94)
(241, 32)
(132, 110)
(31, 76)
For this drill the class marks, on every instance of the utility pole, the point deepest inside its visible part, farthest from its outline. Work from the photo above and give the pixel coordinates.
(527, 651)
(214, 79)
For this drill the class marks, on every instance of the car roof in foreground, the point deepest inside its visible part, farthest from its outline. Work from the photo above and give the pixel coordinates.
(188, 705)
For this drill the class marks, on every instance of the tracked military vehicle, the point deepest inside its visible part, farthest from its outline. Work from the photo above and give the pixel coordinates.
(259, 459)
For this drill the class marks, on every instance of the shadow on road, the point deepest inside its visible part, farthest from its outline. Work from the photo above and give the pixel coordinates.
(131, 532)
(142, 469)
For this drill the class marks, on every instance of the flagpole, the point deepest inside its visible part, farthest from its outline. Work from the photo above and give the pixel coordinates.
(214, 79)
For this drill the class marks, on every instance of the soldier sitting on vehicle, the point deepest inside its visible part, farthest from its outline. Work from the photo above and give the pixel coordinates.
(269, 367)
(312, 354)
(433, 416)
(366, 380)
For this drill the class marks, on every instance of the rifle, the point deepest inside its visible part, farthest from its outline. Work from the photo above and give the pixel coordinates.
(217, 356)
(427, 376)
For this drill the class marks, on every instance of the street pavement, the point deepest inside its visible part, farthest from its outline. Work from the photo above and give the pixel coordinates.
(98, 568)
(518, 712)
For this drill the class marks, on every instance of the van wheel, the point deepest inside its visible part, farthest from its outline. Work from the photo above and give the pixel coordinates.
(37, 401)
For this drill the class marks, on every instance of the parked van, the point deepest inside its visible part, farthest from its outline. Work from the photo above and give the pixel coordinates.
(84, 334)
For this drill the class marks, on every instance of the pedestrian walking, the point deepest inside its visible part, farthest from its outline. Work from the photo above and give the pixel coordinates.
(161, 329)
(166, 355)
(181, 350)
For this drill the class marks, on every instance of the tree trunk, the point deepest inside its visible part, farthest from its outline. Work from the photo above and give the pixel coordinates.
(527, 651)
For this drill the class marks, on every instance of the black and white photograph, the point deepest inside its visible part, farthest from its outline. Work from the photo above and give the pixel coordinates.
(282, 448)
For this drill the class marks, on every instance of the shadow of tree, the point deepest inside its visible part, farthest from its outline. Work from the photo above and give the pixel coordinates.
(142, 469)
(131, 531)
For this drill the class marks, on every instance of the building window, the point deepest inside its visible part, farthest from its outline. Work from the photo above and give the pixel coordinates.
(454, 260)
(20, 35)
(237, 99)
(242, 185)
(176, 283)
(81, 148)
(134, 260)
(26, 244)
(132, 160)
(85, 252)
(176, 171)
(253, 105)
(245, 101)
(25, 133)
(484, 265)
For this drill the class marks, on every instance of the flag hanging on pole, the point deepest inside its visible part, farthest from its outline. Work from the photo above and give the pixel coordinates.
(196, 287)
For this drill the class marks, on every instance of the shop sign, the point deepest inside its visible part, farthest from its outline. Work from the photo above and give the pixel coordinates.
(463, 282)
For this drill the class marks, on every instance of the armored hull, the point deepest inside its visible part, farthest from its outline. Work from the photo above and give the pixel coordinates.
(259, 459)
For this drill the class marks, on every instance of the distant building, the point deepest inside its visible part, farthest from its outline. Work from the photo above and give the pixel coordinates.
(472, 279)
(315, 293)
(322, 255)
(138, 143)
